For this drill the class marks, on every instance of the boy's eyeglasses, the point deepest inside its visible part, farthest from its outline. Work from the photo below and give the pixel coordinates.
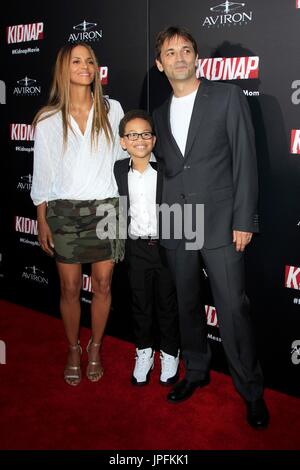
(136, 135)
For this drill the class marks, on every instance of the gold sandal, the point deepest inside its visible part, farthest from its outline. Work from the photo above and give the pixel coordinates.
(94, 370)
(72, 374)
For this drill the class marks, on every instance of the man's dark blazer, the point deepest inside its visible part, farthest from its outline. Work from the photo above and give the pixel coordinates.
(219, 166)
(121, 169)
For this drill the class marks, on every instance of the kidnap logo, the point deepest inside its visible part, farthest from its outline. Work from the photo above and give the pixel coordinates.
(103, 73)
(211, 316)
(26, 225)
(29, 227)
(228, 68)
(87, 283)
(295, 141)
(24, 33)
(292, 277)
(21, 132)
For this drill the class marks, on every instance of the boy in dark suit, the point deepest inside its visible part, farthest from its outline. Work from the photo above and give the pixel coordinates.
(140, 179)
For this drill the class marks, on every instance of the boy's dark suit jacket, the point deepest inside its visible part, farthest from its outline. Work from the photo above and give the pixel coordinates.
(121, 169)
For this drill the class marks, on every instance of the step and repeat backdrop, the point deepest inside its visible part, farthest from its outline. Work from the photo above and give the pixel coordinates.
(254, 44)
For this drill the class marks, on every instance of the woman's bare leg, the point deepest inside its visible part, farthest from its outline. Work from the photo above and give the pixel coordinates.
(70, 285)
(100, 308)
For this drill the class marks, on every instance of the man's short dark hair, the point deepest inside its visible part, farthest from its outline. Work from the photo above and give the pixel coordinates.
(134, 114)
(170, 33)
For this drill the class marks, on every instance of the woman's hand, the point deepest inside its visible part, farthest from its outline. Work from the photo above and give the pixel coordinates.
(44, 233)
(45, 237)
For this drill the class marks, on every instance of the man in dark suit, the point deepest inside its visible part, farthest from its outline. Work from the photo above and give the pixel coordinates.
(206, 142)
(139, 179)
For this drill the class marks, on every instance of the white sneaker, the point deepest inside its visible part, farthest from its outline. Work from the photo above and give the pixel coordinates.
(144, 363)
(169, 368)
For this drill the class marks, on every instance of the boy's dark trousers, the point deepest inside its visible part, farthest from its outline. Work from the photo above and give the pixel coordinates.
(152, 290)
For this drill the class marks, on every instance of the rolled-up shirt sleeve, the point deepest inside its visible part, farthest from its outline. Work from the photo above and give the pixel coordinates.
(42, 168)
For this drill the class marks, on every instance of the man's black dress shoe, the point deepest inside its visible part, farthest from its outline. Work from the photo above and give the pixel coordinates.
(185, 389)
(257, 414)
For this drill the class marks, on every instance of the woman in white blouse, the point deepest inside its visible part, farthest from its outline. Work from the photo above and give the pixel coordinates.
(76, 145)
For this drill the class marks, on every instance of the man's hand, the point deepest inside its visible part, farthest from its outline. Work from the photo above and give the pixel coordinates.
(241, 239)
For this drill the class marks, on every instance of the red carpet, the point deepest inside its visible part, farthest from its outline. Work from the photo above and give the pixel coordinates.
(39, 411)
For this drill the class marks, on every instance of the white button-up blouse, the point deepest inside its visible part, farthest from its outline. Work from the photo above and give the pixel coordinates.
(80, 171)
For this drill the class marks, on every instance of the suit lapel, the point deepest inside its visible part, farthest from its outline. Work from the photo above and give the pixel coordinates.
(168, 132)
(159, 180)
(199, 109)
(159, 183)
(124, 180)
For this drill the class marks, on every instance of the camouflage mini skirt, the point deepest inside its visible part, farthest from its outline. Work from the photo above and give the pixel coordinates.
(85, 231)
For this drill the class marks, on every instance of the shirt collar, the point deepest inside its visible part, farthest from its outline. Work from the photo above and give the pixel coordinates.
(152, 159)
(88, 124)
